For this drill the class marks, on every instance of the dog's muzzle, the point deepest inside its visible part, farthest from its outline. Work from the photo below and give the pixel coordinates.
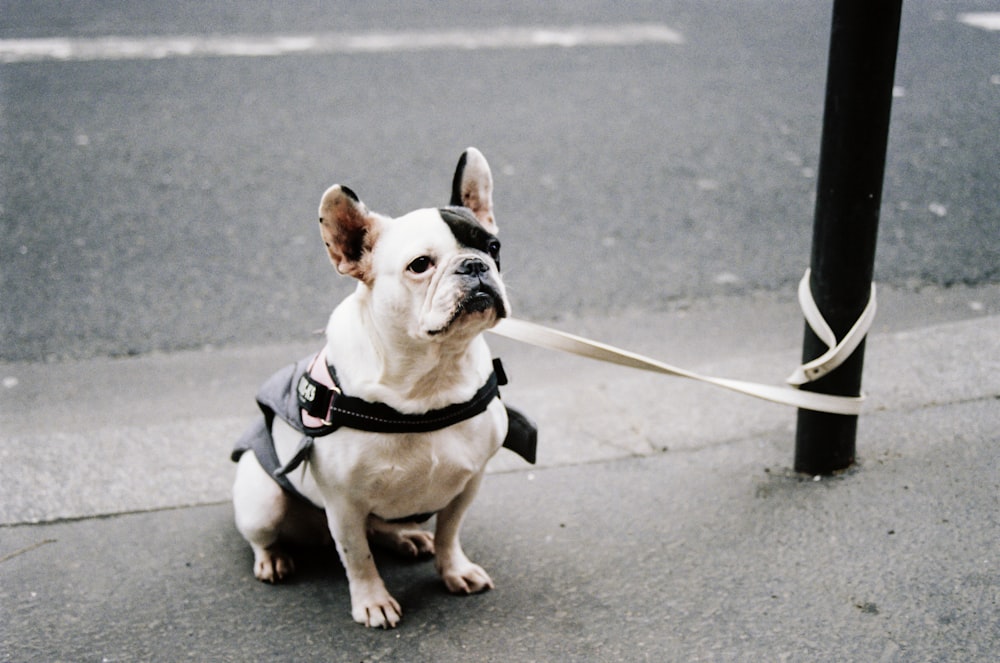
(481, 293)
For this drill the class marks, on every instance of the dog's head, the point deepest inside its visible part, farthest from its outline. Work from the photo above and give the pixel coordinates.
(431, 274)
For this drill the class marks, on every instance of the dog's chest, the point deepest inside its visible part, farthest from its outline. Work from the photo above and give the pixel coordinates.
(397, 475)
(433, 469)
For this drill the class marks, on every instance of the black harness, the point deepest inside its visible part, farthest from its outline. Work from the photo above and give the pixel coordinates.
(313, 404)
(333, 409)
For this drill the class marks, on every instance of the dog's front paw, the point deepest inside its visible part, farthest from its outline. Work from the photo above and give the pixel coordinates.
(379, 610)
(465, 578)
(272, 565)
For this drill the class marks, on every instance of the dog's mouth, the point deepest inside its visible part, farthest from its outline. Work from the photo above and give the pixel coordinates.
(479, 300)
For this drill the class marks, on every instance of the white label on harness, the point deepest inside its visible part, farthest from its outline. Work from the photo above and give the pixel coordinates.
(307, 390)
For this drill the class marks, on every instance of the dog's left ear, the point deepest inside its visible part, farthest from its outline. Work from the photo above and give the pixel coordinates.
(348, 230)
(472, 187)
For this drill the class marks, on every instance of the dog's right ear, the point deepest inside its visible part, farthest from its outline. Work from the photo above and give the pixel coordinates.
(347, 228)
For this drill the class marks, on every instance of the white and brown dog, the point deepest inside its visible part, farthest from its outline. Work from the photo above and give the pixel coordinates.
(395, 420)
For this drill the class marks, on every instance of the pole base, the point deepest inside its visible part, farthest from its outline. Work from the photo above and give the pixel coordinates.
(824, 443)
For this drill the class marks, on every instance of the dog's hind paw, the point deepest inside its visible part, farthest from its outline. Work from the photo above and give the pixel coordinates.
(415, 543)
(404, 539)
(272, 565)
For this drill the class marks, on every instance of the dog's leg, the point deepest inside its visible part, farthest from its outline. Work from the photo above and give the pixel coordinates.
(460, 575)
(407, 539)
(260, 507)
(371, 603)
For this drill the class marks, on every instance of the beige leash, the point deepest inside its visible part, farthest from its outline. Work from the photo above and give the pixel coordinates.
(535, 334)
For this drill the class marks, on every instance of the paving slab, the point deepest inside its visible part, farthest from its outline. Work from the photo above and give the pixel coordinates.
(713, 554)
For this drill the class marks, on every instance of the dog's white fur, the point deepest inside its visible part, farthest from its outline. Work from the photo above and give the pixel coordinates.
(401, 339)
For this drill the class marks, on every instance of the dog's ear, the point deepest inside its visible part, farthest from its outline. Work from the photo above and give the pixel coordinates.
(348, 230)
(472, 187)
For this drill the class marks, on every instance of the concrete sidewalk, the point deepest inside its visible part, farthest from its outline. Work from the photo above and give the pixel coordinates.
(662, 522)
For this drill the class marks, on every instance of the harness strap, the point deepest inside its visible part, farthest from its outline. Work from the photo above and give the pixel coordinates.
(314, 405)
(257, 440)
(325, 408)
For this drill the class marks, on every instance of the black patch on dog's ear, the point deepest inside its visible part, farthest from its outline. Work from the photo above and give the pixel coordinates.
(456, 182)
(350, 194)
(469, 232)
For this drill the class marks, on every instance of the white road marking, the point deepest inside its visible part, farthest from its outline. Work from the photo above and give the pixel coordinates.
(155, 48)
(984, 20)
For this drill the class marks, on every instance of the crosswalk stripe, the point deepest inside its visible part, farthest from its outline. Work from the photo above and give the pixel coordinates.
(160, 47)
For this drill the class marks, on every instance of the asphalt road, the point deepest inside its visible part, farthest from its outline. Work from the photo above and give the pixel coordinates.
(155, 205)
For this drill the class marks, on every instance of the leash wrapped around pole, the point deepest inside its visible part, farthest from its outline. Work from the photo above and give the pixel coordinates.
(838, 351)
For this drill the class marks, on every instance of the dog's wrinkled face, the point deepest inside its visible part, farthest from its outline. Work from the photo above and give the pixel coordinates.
(438, 270)
(432, 273)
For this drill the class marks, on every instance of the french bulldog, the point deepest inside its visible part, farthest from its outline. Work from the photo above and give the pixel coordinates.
(408, 340)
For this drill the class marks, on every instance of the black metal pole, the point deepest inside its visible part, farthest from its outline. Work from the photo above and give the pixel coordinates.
(863, 42)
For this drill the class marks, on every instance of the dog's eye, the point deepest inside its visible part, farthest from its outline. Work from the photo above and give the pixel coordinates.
(420, 265)
(493, 248)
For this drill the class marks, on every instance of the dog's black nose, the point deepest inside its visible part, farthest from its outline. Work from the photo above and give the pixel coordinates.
(472, 267)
